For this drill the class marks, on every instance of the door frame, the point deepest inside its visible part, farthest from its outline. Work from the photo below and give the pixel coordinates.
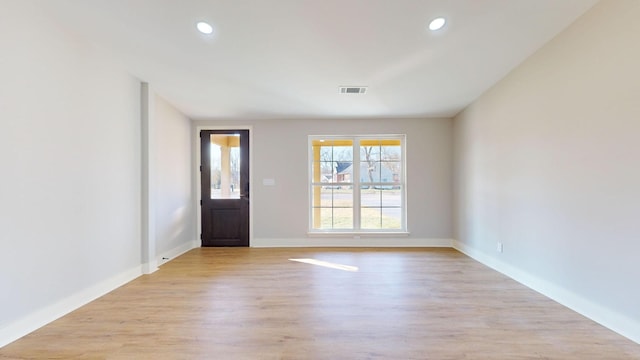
(198, 181)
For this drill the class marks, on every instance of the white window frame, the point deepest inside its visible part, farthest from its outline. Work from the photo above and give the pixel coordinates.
(355, 183)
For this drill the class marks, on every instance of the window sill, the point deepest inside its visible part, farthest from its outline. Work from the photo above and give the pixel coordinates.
(358, 235)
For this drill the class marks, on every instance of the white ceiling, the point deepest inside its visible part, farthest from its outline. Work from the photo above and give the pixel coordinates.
(287, 58)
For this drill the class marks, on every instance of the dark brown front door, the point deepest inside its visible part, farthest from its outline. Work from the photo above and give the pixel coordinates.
(225, 187)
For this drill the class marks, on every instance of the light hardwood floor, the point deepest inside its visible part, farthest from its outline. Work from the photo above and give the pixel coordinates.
(244, 303)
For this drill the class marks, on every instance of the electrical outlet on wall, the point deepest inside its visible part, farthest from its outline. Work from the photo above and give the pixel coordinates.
(499, 247)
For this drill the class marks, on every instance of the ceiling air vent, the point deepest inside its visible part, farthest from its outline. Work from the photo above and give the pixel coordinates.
(353, 89)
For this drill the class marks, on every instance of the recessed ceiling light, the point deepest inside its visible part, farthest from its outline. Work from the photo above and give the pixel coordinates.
(204, 28)
(437, 24)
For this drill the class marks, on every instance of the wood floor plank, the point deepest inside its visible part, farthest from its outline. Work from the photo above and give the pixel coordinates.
(246, 303)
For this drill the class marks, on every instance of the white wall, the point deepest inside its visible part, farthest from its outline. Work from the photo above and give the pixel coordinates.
(174, 217)
(280, 152)
(547, 163)
(70, 171)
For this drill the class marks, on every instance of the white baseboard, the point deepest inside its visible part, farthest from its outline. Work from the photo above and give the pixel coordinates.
(17, 329)
(177, 251)
(363, 241)
(604, 316)
(150, 267)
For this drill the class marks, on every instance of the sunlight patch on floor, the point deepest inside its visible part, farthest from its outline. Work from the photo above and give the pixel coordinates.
(327, 264)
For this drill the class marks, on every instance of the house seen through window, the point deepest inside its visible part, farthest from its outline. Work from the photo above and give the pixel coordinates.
(357, 184)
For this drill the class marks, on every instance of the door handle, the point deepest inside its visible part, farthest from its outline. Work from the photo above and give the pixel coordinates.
(245, 195)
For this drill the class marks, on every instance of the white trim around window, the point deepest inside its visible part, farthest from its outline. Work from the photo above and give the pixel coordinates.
(357, 185)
